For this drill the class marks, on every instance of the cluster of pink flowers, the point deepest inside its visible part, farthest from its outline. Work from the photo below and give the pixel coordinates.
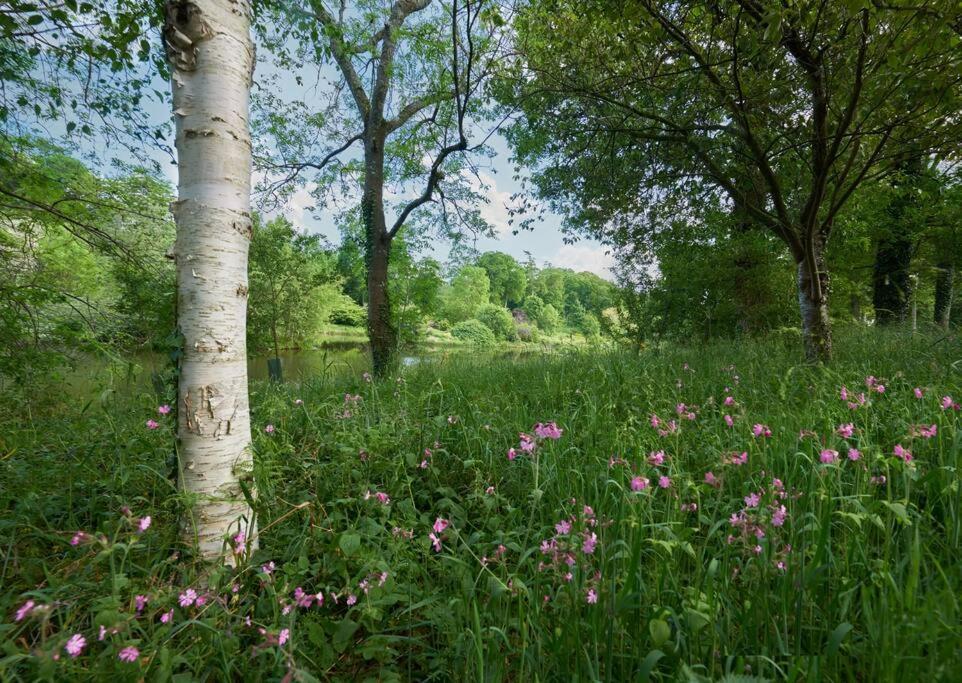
(763, 513)
(528, 444)
(761, 430)
(664, 428)
(737, 459)
(854, 402)
(874, 385)
(903, 454)
(685, 411)
(925, 432)
(440, 525)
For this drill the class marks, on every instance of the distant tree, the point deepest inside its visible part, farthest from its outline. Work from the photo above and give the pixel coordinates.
(549, 285)
(507, 278)
(410, 76)
(287, 272)
(468, 291)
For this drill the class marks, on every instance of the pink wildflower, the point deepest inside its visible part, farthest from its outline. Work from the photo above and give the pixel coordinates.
(729, 421)
(489, 490)
(918, 392)
(129, 654)
(664, 482)
(828, 456)
(591, 540)
(269, 429)
(548, 431)
(164, 409)
(902, 453)
(140, 601)
(947, 403)
(152, 424)
(526, 442)
(512, 454)
(187, 598)
(75, 645)
(761, 430)
(24, 610)
(166, 617)
(283, 636)
(639, 483)
(78, 538)
(143, 524)
(778, 517)
(752, 500)
(738, 458)
(592, 596)
(729, 401)
(846, 430)
(711, 479)
(440, 525)
(351, 599)
(854, 454)
(656, 458)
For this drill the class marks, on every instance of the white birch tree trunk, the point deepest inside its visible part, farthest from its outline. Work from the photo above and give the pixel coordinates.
(211, 54)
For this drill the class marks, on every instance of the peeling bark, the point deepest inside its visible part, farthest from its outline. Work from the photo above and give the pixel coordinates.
(212, 57)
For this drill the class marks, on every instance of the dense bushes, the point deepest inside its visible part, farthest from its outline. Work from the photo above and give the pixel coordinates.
(474, 332)
(499, 320)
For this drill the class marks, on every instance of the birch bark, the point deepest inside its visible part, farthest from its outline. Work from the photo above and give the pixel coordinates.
(211, 54)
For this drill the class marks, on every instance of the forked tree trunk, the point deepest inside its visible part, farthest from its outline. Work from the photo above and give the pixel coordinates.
(944, 282)
(816, 326)
(212, 58)
(380, 327)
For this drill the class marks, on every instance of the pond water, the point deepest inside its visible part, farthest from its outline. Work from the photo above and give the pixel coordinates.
(134, 373)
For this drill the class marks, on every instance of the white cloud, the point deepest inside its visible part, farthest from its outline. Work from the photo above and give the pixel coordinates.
(578, 257)
(297, 209)
(495, 208)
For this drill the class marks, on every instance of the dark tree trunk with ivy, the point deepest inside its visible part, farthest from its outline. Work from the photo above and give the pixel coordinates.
(891, 280)
(944, 283)
(377, 248)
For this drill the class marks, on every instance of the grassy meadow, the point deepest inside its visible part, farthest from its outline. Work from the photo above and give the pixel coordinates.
(715, 513)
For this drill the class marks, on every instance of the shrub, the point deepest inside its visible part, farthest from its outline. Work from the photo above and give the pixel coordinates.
(474, 332)
(499, 320)
(527, 333)
(347, 312)
(550, 319)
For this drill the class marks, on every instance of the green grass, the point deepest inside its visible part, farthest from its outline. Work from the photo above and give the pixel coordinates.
(869, 591)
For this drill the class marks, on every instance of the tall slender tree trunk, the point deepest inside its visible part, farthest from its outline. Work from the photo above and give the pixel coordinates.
(816, 326)
(751, 298)
(892, 277)
(380, 327)
(944, 282)
(212, 59)
(891, 280)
